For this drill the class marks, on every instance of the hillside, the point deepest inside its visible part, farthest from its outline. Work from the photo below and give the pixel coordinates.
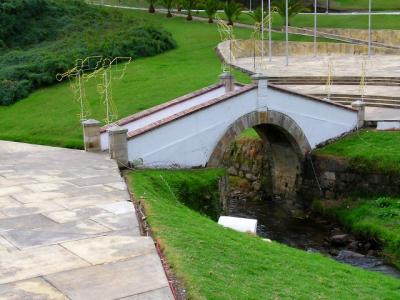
(39, 38)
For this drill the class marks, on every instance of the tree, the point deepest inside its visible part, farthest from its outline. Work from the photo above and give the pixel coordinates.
(211, 8)
(151, 6)
(256, 15)
(295, 6)
(232, 9)
(189, 5)
(168, 4)
(179, 4)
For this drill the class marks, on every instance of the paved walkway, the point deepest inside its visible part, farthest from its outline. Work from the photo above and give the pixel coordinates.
(69, 231)
(377, 66)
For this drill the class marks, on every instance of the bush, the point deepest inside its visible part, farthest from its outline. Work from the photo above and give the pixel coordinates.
(40, 38)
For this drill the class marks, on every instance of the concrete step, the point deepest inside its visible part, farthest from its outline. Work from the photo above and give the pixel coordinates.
(321, 80)
(370, 100)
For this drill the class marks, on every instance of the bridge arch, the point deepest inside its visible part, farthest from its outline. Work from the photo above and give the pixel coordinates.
(285, 143)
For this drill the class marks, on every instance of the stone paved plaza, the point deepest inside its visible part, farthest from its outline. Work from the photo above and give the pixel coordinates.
(69, 231)
(343, 65)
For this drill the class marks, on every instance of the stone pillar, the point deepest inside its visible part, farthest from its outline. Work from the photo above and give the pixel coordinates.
(118, 145)
(228, 80)
(360, 106)
(262, 82)
(91, 135)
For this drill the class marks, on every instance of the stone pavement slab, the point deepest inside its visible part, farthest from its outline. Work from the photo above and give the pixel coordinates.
(163, 293)
(113, 280)
(119, 222)
(25, 222)
(64, 216)
(30, 263)
(36, 288)
(68, 229)
(23, 238)
(111, 248)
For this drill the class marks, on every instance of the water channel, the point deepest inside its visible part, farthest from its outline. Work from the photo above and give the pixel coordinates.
(311, 233)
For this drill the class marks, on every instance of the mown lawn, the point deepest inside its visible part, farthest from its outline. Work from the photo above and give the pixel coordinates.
(361, 4)
(333, 4)
(326, 21)
(218, 263)
(368, 149)
(50, 116)
(378, 218)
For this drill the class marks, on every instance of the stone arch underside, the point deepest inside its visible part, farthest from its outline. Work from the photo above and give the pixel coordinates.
(285, 144)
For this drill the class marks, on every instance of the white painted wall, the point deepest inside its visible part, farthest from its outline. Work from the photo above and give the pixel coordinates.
(189, 141)
(159, 115)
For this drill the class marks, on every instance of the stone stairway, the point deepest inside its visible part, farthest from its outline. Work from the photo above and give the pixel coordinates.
(372, 101)
(336, 80)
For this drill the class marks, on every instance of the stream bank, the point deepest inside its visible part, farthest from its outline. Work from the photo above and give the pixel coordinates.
(289, 219)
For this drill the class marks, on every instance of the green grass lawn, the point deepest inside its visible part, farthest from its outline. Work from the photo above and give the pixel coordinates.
(375, 150)
(327, 21)
(361, 4)
(50, 116)
(334, 4)
(378, 218)
(218, 263)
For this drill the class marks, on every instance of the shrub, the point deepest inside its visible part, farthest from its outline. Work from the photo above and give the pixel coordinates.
(33, 52)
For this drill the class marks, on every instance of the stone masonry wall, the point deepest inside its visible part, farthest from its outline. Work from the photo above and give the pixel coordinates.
(339, 177)
(246, 160)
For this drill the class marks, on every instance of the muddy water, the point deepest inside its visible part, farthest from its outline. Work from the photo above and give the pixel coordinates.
(310, 234)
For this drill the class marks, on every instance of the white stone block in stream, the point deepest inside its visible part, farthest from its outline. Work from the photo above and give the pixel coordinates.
(239, 224)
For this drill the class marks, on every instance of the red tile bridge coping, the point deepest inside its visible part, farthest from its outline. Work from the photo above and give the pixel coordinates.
(165, 105)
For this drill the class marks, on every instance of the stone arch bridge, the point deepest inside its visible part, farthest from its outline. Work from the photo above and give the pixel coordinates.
(195, 130)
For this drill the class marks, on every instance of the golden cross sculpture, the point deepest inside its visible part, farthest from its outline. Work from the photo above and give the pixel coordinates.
(109, 71)
(257, 37)
(75, 76)
(363, 84)
(226, 34)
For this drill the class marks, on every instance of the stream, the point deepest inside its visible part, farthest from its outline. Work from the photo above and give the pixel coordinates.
(312, 234)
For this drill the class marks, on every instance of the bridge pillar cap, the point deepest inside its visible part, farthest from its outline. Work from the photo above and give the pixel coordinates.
(259, 76)
(90, 122)
(226, 75)
(357, 104)
(116, 130)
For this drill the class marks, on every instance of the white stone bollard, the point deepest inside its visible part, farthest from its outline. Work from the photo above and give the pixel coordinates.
(118, 145)
(228, 80)
(360, 106)
(91, 135)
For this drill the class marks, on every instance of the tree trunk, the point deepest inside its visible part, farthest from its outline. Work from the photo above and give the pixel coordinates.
(169, 15)
(210, 20)
(151, 9)
(230, 22)
(189, 16)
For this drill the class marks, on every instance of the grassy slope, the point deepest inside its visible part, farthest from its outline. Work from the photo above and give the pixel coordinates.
(378, 218)
(218, 263)
(372, 149)
(49, 116)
